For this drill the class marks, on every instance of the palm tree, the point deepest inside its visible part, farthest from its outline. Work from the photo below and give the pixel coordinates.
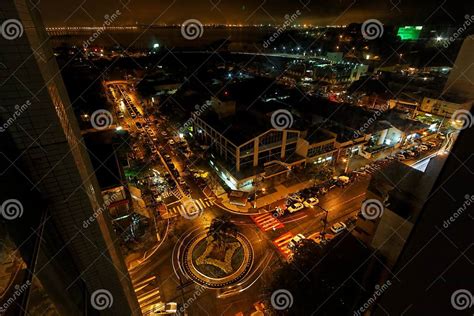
(220, 228)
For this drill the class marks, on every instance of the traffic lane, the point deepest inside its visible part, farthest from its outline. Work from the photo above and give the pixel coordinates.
(338, 197)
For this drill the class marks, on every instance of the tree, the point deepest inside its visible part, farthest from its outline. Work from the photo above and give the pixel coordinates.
(326, 281)
(220, 228)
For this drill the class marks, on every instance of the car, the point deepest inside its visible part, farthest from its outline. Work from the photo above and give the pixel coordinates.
(139, 125)
(164, 308)
(295, 241)
(400, 157)
(295, 207)
(311, 202)
(181, 181)
(410, 153)
(296, 198)
(343, 180)
(338, 227)
(423, 148)
(171, 142)
(430, 144)
(164, 133)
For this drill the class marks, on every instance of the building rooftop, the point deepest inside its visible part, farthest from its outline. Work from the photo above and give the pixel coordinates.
(404, 188)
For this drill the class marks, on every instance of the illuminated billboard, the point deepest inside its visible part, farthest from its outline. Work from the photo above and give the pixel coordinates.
(409, 33)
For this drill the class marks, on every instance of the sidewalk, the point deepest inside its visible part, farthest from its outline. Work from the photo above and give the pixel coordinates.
(265, 202)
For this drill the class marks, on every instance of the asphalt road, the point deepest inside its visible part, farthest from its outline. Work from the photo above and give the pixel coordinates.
(173, 286)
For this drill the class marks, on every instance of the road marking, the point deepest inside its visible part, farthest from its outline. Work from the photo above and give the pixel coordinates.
(180, 209)
(282, 244)
(267, 221)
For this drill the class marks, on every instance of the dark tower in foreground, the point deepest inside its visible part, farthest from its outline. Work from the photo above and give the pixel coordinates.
(47, 173)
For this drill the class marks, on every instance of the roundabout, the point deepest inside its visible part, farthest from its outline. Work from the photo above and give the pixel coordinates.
(216, 263)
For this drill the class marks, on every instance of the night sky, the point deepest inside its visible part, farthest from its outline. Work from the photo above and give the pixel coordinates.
(318, 12)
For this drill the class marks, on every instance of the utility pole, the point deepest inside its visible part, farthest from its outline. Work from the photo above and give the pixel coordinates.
(325, 221)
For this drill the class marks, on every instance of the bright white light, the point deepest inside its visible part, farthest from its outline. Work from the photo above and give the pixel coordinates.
(156, 45)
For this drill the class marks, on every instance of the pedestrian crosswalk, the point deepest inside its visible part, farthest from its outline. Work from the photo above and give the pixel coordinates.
(180, 209)
(176, 193)
(282, 244)
(148, 293)
(267, 221)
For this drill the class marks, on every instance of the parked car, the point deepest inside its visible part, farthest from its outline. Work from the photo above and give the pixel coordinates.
(338, 227)
(295, 241)
(296, 198)
(400, 157)
(164, 308)
(424, 148)
(311, 202)
(295, 207)
(410, 153)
